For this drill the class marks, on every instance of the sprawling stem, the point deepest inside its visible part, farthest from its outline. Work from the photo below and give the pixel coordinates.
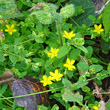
(59, 32)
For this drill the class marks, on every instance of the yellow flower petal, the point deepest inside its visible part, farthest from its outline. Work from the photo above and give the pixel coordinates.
(69, 64)
(99, 105)
(53, 53)
(66, 65)
(6, 30)
(14, 30)
(71, 32)
(10, 32)
(65, 32)
(10, 29)
(68, 35)
(46, 80)
(56, 76)
(101, 30)
(68, 60)
(12, 26)
(100, 26)
(72, 61)
(7, 26)
(56, 71)
(44, 77)
(51, 73)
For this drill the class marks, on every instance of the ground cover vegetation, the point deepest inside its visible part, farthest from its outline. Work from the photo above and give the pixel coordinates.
(54, 55)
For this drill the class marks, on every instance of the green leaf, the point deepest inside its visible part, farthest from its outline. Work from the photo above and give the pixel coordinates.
(108, 106)
(39, 27)
(19, 4)
(89, 42)
(2, 58)
(22, 74)
(38, 38)
(99, 82)
(13, 59)
(70, 74)
(79, 84)
(61, 0)
(85, 107)
(3, 89)
(73, 54)
(52, 42)
(57, 94)
(106, 19)
(90, 52)
(69, 96)
(55, 107)
(74, 108)
(88, 7)
(94, 60)
(55, 86)
(95, 68)
(85, 89)
(82, 48)
(66, 105)
(48, 63)
(102, 75)
(63, 51)
(42, 107)
(105, 46)
(78, 10)
(108, 68)
(82, 66)
(66, 82)
(16, 49)
(17, 41)
(8, 9)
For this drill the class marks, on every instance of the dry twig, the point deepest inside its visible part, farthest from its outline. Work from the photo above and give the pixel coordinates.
(100, 11)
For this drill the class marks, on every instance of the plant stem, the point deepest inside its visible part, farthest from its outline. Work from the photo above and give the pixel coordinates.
(74, 21)
(9, 53)
(6, 98)
(24, 42)
(25, 95)
(8, 101)
(59, 32)
(101, 60)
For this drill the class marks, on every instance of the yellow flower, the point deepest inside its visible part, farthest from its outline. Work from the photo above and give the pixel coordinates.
(69, 64)
(41, 34)
(68, 35)
(100, 17)
(98, 28)
(4, 54)
(53, 53)
(21, 47)
(92, 70)
(56, 76)
(81, 10)
(10, 29)
(96, 107)
(46, 80)
(19, 58)
(29, 60)
(14, 70)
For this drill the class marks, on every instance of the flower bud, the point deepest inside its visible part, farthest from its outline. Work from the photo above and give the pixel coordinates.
(44, 17)
(67, 11)
(78, 41)
(57, 17)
